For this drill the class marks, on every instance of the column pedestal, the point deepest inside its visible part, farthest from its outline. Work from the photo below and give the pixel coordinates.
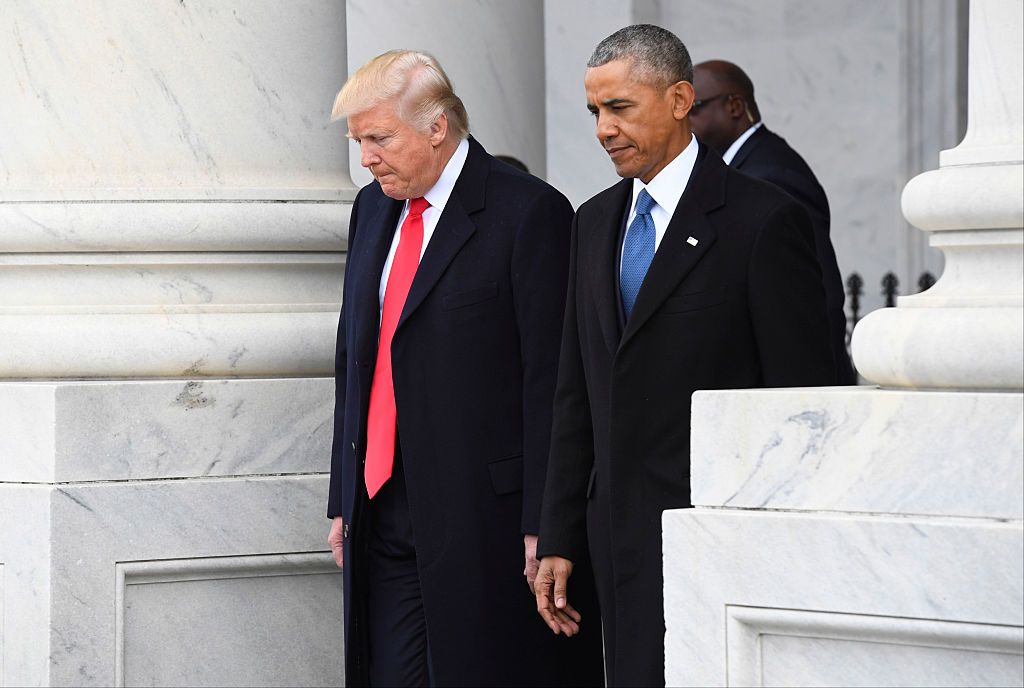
(167, 533)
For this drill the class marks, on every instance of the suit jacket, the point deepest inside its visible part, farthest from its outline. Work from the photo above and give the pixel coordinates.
(732, 299)
(474, 361)
(767, 156)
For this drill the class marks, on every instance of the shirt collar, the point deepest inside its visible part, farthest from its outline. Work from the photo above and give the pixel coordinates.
(738, 143)
(668, 185)
(441, 191)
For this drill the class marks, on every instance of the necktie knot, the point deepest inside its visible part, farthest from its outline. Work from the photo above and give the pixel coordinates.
(644, 203)
(418, 205)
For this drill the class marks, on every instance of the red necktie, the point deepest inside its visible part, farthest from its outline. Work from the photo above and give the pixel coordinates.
(381, 424)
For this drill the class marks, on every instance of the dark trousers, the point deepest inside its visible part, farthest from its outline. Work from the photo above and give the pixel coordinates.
(634, 650)
(397, 625)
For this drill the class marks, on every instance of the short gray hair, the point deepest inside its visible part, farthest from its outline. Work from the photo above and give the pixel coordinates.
(658, 55)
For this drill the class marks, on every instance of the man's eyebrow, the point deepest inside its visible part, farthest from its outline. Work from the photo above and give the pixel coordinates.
(612, 102)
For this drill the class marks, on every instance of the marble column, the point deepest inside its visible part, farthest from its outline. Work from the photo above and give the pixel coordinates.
(875, 535)
(173, 213)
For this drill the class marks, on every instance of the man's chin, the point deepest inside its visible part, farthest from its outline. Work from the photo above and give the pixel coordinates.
(625, 171)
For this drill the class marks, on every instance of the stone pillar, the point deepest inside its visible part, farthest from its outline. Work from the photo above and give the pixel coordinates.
(875, 536)
(966, 332)
(173, 212)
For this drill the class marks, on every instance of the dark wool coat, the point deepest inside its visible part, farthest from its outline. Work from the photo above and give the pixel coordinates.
(474, 362)
(766, 155)
(732, 299)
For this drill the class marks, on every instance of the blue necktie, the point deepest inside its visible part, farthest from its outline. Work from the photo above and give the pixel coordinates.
(637, 251)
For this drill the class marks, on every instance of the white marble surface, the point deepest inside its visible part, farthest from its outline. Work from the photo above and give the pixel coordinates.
(253, 601)
(101, 431)
(162, 282)
(859, 450)
(577, 164)
(167, 226)
(492, 50)
(25, 550)
(969, 332)
(178, 100)
(93, 527)
(278, 341)
(856, 579)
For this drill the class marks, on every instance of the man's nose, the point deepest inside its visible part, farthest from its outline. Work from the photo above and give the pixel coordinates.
(606, 128)
(367, 154)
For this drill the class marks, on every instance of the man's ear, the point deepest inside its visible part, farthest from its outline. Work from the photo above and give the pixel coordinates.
(439, 130)
(682, 94)
(737, 107)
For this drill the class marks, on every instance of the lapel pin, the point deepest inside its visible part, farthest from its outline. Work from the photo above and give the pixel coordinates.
(691, 241)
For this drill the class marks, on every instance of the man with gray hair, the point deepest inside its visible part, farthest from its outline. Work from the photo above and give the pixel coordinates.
(446, 363)
(685, 275)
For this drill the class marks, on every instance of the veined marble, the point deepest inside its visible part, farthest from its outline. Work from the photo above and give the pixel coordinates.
(259, 341)
(173, 100)
(859, 450)
(577, 164)
(969, 333)
(762, 598)
(89, 566)
(103, 431)
(165, 226)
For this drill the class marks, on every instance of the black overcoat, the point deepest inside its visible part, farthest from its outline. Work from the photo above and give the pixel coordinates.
(766, 155)
(474, 362)
(732, 299)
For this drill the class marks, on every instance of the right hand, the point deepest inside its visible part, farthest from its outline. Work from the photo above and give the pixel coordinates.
(552, 599)
(336, 540)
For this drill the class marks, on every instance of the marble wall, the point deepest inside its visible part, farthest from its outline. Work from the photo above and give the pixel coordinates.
(146, 522)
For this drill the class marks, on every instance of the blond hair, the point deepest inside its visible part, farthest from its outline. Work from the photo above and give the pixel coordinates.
(415, 82)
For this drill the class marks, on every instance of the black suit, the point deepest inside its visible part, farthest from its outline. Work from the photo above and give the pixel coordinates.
(767, 156)
(474, 361)
(732, 299)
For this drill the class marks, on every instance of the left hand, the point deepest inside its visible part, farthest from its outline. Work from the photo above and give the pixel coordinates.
(530, 557)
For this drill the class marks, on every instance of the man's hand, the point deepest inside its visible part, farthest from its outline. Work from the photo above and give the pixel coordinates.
(552, 598)
(530, 557)
(335, 539)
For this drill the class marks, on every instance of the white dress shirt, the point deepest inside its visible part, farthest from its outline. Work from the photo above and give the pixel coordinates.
(437, 197)
(738, 143)
(666, 189)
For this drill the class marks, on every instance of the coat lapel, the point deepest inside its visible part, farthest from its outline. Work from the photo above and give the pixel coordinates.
(688, 237)
(749, 145)
(604, 264)
(379, 232)
(453, 230)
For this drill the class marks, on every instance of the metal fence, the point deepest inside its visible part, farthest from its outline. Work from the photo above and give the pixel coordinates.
(890, 290)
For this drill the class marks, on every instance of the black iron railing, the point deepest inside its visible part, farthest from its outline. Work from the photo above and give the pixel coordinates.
(890, 290)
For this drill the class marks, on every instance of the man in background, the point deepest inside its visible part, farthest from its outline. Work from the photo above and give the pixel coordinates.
(726, 117)
(685, 275)
(446, 361)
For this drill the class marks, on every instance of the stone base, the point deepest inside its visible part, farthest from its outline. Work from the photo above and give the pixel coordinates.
(819, 554)
(167, 533)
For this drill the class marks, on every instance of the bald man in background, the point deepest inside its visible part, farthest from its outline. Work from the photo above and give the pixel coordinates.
(726, 117)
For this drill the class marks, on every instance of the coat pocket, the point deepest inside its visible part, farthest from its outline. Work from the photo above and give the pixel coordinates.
(507, 475)
(461, 299)
(694, 301)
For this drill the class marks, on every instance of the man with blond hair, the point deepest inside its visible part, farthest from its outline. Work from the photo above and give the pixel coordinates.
(446, 365)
